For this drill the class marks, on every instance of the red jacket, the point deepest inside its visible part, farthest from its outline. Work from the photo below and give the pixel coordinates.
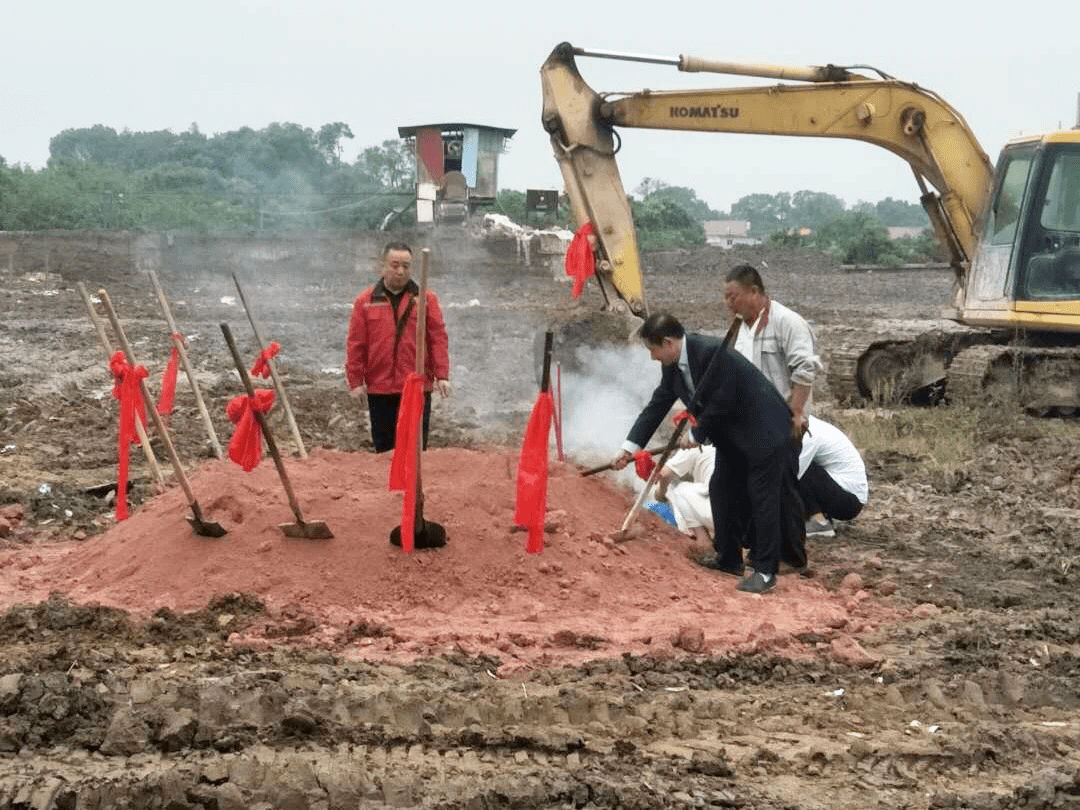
(381, 351)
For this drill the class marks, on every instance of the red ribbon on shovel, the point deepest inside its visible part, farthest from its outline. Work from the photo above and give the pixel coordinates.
(262, 362)
(245, 446)
(403, 463)
(682, 416)
(126, 388)
(167, 398)
(644, 464)
(532, 475)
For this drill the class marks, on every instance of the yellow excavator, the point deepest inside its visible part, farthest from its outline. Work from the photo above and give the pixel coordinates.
(1011, 235)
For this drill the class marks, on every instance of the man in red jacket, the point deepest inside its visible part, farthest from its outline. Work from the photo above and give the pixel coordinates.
(381, 348)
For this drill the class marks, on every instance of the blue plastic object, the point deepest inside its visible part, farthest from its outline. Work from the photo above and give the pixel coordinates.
(662, 509)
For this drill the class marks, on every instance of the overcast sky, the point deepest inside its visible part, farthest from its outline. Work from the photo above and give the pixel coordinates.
(375, 66)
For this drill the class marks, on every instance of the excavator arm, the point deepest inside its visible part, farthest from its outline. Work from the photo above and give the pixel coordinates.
(828, 102)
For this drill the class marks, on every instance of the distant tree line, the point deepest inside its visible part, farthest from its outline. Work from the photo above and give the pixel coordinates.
(673, 216)
(281, 177)
(285, 177)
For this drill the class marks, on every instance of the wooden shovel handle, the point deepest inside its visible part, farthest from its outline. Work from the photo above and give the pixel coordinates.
(270, 364)
(672, 444)
(151, 406)
(181, 352)
(421, 362)
(610, 464)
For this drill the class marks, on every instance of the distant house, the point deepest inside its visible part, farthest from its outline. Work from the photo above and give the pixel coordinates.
(903, 232)
(727, 233)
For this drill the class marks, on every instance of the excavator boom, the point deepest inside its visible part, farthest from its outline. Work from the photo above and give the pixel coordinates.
(830, 102)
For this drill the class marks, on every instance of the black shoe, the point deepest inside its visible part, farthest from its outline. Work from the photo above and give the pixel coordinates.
(756, 583)
(803, 571)
(713, 564)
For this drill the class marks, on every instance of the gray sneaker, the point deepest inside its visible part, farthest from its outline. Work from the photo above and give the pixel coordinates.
(820, 528)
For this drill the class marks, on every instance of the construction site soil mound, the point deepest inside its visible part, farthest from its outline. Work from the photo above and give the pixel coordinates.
(585, 596)
(929, 662)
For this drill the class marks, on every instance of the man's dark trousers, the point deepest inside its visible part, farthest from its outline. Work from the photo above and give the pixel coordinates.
(760, 503)
(383, 409)
(822, 494)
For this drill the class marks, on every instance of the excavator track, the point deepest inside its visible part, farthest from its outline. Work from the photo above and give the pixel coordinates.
(968, 372)
(841, 375)
(894, 369)
(1044, 381)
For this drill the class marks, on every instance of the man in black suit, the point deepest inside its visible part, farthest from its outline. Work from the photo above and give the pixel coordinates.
(748, 422)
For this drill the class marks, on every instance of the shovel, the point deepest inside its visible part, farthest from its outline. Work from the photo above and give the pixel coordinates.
(202, 527)
(672, 445)
(312, 530)
(426, 533)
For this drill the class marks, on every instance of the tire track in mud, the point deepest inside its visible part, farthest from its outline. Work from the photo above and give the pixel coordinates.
(197, 723)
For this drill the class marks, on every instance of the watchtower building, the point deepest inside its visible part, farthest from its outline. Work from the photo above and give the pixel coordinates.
(456, 168)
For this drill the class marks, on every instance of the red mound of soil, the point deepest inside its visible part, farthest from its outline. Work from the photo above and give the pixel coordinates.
(583, 597)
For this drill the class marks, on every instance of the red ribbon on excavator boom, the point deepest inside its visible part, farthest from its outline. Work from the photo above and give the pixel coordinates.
(580, 262)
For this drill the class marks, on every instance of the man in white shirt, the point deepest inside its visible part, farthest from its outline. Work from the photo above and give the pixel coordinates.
(774, 338)
(832, 478)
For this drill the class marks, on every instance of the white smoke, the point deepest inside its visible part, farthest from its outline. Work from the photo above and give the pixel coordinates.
(601, 401)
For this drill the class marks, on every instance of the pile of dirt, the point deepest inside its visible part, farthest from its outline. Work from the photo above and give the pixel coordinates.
(585, 596)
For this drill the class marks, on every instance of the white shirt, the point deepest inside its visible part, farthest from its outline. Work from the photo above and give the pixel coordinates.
(693, 463)
(832, 449)
(744, 340)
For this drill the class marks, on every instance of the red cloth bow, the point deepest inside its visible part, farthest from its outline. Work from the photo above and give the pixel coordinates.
(245, 447)
(682, 416)
(403, 464)
(128, 389)
(532, 475)
(644, 464)
(168, 380)
(580, 262)
(262, 362)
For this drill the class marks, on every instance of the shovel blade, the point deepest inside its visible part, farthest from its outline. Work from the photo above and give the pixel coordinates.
(428, 534)
(206, 528)
(311, 530)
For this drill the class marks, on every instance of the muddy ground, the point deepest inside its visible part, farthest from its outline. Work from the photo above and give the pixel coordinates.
(970, 701)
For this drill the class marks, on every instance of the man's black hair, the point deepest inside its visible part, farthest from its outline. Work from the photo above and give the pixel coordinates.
(659, 326)
(747, 275)
(396, 246)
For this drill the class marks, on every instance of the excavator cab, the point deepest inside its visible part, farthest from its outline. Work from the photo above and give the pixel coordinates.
(1049, 260)
(1026, 272)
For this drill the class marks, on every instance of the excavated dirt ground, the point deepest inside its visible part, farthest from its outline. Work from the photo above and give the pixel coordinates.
(931, 662)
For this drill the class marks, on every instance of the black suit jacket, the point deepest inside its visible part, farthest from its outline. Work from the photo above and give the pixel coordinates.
(736, 407)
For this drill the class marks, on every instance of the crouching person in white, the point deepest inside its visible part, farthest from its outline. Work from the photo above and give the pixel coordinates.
(684, 483)
(832, 478)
